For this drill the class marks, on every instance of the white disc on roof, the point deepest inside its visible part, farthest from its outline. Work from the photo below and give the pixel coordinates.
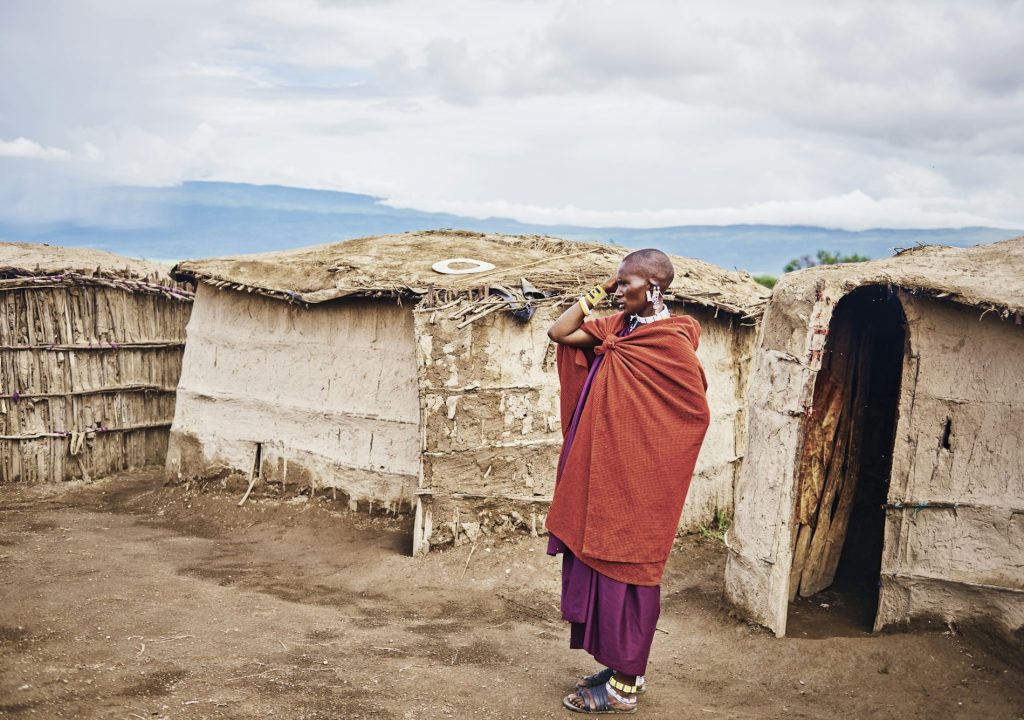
(475, 266)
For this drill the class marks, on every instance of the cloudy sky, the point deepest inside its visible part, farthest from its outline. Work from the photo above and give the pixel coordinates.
(595, 112)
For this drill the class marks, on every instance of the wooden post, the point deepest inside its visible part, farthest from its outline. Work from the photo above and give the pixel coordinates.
(253, 474)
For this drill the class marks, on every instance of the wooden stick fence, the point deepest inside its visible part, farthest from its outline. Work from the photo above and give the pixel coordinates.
(88, 370)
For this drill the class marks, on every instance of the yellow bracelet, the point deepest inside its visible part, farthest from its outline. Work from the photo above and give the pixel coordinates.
(623, 687)
(584, 307)
(596, 295)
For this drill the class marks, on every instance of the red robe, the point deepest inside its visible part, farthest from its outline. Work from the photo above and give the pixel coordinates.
(623, 483)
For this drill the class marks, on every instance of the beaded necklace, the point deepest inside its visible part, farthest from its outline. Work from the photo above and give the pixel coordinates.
(636, 320)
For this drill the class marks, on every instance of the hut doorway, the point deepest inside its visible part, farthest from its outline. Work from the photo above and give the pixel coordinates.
(844, 467)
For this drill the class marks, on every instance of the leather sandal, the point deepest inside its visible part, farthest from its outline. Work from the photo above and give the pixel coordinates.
(595, 701)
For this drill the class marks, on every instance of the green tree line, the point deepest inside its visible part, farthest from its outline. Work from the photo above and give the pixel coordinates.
(821, 257)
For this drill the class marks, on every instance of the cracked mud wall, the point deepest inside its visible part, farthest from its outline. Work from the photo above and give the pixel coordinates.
(489, 398)
(330, 391)
(959, 441)
(783, 370)
(491, 424)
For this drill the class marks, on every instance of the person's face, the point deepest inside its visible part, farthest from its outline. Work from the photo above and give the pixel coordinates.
(631, 290)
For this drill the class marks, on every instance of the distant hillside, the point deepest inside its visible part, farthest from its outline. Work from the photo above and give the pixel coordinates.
(204, 219)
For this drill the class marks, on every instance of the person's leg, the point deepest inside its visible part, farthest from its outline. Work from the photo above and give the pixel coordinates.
(613, 621)
(620, 628)
(602, 676)
(625, 687)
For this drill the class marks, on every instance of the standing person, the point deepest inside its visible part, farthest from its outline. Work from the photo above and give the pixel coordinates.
(634, 416)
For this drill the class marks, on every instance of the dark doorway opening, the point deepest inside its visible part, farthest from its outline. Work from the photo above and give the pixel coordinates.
(843, 478)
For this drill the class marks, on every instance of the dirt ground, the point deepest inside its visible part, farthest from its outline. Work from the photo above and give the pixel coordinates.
(126, 599)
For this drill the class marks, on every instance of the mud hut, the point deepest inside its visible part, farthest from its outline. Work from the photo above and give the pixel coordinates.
(90, 351)
(357, 368)
(886, 408)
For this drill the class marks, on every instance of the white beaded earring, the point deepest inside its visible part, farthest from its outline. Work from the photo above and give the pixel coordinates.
(655, 297)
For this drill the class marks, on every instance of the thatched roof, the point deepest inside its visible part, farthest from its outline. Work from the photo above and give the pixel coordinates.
(38, 265)
(989, 276)
(400, 265)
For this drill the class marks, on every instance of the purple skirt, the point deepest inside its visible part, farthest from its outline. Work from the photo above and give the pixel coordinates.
(611, 620)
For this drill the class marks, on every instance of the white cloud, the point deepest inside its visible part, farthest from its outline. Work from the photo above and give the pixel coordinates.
(25, 148)
(916, 182)
(852, 211)
(844, 114)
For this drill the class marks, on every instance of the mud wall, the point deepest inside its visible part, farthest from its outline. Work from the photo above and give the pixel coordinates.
(329, 393)
(781, 382)
(491, 422)
(490, 417)
(954, 536)
(725, 351)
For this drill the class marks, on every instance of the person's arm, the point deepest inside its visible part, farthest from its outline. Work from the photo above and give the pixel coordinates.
(567, 329)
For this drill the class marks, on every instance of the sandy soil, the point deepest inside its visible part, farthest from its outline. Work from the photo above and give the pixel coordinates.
(125, 599)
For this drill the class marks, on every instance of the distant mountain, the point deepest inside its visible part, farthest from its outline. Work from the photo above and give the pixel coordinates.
(205, 219)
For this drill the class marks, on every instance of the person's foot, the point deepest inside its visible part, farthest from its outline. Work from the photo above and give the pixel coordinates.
(617, 695)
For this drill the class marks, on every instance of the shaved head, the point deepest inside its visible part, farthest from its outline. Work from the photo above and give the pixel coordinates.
(651, 263)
